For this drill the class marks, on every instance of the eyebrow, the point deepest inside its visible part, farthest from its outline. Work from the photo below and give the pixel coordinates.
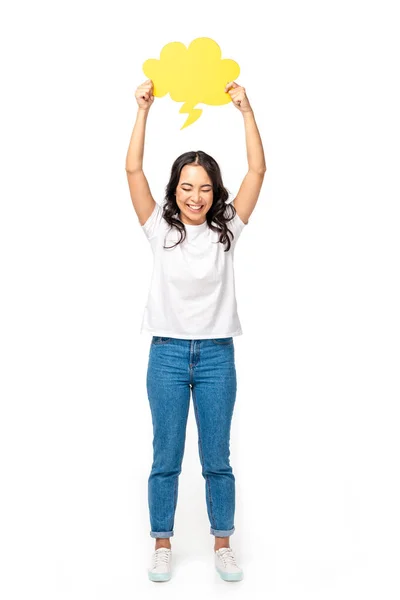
(185, 183)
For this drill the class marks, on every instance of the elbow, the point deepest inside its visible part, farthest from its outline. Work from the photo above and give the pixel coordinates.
(133, 170)
(259, 171)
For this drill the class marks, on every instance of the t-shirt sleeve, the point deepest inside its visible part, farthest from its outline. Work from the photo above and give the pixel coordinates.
(236, 225)
(153, 223)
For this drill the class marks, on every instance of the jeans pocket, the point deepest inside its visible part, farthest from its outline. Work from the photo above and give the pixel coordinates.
(223, 341)
(158, 339)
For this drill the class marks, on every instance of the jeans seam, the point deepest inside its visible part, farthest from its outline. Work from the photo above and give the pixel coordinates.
(175, 494)
(208, 487)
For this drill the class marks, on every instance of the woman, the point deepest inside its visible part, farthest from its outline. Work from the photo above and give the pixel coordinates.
(192, 313)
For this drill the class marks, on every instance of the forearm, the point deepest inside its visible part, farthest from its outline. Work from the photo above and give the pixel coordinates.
(134, 157)
(254, 147)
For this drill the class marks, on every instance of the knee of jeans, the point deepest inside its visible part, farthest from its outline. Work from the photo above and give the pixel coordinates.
(166, 468)
(218, 467)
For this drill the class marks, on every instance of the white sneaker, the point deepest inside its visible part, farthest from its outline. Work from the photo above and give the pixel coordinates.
(160, 569)
(225, 563)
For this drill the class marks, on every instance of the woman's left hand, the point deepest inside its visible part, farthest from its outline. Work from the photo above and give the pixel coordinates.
(238, 96)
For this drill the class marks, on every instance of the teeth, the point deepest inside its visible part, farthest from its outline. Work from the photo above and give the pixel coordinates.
(194, 207)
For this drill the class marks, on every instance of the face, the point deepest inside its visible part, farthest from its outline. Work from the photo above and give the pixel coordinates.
(194, 189)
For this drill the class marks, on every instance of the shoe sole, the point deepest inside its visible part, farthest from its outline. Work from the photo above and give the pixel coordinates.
(159, 576)
(230, 576)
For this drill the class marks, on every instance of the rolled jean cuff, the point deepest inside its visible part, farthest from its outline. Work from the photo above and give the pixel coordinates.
(161, 534)
(222, 532)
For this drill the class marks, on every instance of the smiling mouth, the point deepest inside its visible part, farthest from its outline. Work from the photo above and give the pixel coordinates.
(195, 207)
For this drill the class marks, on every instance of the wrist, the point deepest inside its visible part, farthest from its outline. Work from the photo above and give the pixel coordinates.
(143, 111)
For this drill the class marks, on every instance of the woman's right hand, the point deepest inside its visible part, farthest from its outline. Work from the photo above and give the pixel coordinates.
(144, 95)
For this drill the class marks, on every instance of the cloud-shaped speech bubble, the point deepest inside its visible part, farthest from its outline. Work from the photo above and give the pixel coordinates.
(193, 75)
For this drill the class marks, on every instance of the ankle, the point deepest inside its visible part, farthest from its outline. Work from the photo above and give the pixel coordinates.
(163, 543)
(221, 543)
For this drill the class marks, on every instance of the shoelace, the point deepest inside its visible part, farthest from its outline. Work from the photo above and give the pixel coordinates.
(227, 556)
(161, 555)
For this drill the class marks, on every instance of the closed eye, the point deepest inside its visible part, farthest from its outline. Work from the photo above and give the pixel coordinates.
(188, 189)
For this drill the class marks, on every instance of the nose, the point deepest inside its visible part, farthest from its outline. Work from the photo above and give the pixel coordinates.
(196, 196)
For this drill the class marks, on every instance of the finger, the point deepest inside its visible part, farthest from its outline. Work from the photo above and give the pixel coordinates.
(231, 84)
(144, 92)
(236, 92)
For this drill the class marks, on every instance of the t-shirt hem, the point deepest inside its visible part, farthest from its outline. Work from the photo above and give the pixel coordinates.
(186, 336)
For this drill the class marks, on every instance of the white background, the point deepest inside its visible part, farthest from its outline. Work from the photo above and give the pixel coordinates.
(315, 434)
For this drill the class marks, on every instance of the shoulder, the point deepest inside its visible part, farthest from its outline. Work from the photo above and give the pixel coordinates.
(234, 222)
(155, 223)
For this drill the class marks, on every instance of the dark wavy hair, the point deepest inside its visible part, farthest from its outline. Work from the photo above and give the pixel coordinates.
(220, 211)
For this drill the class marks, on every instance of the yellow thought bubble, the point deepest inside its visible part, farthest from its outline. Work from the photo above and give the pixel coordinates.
(192, 75)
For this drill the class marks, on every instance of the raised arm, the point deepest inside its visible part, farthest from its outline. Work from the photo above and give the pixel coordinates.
(142, 200)
(250, 188)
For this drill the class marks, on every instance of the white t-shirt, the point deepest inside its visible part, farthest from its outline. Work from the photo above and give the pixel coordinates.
(192, 290)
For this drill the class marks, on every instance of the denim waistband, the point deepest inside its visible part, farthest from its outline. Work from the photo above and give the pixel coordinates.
(157, 339)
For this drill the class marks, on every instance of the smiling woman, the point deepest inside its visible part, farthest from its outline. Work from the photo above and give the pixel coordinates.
(191, 312)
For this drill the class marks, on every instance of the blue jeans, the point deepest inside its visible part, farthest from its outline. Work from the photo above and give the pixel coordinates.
(207, 368)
